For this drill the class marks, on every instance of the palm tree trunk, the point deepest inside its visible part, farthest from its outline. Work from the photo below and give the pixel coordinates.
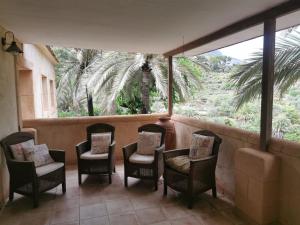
(145, 92)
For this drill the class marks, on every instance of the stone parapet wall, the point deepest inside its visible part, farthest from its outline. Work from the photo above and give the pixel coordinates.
(65, 133)
(233, 139)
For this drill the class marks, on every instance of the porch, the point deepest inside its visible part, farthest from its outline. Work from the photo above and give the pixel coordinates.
(257, 175)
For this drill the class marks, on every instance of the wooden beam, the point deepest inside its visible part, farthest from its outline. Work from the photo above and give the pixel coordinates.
(243, 24)
(267, 83)
(170, 86)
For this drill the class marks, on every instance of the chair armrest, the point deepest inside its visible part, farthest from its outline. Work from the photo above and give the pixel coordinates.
(111, 149)
(175, 152)
(81, 148)
(128, 150)
(158, 151)
(21, 171)
(58, 155)
(204, 165)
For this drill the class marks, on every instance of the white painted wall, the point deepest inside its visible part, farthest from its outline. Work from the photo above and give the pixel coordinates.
(8, 111)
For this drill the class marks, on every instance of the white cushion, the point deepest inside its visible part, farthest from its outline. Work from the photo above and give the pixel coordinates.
(18, 149)
(148, 142)
(100, 142)
(201, 146)
(89, 156)
(42, 170)
(143, 159)
(39, 154)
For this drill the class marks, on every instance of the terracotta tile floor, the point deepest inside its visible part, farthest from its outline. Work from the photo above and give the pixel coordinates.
(98, 203)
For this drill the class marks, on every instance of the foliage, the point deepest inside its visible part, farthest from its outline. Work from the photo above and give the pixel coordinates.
(116, 73)
(287, 70)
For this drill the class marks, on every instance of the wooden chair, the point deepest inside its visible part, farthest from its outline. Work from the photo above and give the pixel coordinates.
(28, 180)
(144, 166)
(199, 177)
(96, 164)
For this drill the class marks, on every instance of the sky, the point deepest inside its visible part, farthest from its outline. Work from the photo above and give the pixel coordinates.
(243, 50)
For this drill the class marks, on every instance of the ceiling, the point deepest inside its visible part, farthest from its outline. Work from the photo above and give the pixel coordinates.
(147, 26)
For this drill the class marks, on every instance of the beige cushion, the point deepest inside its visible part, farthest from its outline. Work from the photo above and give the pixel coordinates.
(42, 170)
(18, 149)
(39, 154)
(201, 146)
(89, 156)
(143, 159)
(179, 163)
(148, 142)
(100, 142)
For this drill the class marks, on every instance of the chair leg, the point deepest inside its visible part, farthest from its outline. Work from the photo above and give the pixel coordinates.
(114, 169)
(35, 199)
(125, 180)
(190, 202)
(11, 195)
(214, 191)
(63, 185)
(79, 178)
(109, 178)
(165, 188)
(155, 184)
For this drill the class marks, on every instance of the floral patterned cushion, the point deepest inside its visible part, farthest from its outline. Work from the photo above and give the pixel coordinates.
(148, 142)
(39, 154)
(100, 143)
(18, 149)
(201, 146)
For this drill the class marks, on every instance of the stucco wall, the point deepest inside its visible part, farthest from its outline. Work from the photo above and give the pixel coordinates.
(233, 138)
(65, 133)
(35, 62)
(8, 118)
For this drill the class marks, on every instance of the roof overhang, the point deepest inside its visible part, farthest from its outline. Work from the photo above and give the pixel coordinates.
(131, 25)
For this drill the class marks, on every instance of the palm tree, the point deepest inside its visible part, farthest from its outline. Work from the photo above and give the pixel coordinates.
(117, 72)
(72, 76)
(287, 69)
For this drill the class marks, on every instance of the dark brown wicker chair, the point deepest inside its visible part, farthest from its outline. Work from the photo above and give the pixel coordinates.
(150, 171)
(99, 166)
(25, 178)
(201, 174)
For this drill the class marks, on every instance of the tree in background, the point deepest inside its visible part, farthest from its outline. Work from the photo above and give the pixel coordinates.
(287, 70)
(72, 76)
(117, 74)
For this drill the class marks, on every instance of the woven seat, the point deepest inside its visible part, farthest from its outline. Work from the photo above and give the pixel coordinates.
(191, 176)
(25, 178)
(100, 164)
(144, 166)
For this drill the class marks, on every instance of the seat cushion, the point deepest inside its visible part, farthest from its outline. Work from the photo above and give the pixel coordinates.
(179, 163)
(142, 159)
(42, 170)
(89, 156)
(100, 142)
(201, 146)
(148, 142)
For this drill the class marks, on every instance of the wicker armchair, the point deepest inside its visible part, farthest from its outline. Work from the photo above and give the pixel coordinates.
(96, 164)
(28, 180)
(201, 172)
(153, 168)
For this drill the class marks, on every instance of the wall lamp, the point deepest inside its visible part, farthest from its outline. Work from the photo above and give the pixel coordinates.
(12, 46)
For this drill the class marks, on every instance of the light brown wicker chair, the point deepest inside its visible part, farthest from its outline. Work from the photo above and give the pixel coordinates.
(102, 165)
(200, 176)
(25, 178)
(150, 171)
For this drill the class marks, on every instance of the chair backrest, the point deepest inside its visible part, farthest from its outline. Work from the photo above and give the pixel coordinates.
(217, 140)
(100, 128)
(154, 128)
(13, 139)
